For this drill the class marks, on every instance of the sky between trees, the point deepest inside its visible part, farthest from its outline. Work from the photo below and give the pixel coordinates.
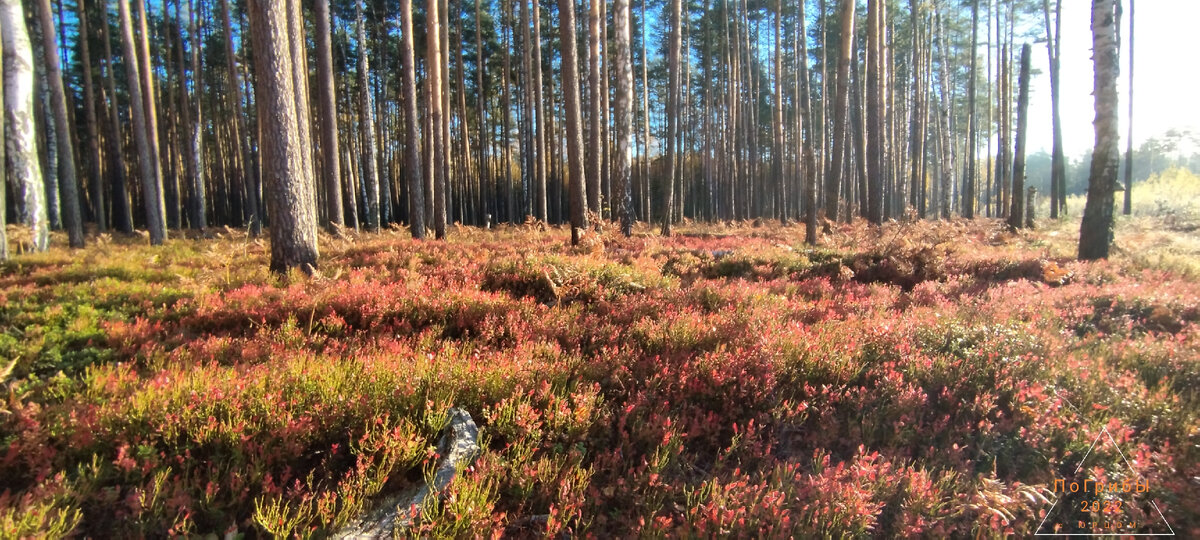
(1164, 87)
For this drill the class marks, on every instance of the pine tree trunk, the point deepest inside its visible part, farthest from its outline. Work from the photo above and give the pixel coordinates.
(1057, 161)
(1016, 216)
(433, 65)
(594, 153)
(841, 111)
(1096, 230)
(151, 187)
(289, 193)
(540, 210)
(299, 45)
(328, 111)
(72, 216)
(95, 179)
(570, 73)
(150, 105)
(412, 144)
(122, 210)
(672, 112)
(968, 187)
(874, 121)
(243, 171)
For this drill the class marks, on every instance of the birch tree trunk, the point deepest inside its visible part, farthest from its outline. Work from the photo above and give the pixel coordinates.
(366, 119)
(623, 118)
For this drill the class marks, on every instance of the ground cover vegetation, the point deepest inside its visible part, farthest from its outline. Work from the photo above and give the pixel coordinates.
(918, 379)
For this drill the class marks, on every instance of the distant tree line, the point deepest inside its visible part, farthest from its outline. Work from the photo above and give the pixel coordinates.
(185, 114)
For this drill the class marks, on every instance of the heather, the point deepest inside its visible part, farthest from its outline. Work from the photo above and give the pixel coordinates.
(926, 379)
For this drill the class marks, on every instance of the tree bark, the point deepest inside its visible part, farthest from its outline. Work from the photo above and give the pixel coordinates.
(841, 112)
(1096, 230)
(623, 117)
(150, 105)
(594, 153)
(672, 113)
(68, 182)
(1016, 216)
(570, 74)
(412, 144)
(331, 167)
(151, 186)
(122, 205)
(433, 64)
(289, 194)
(96, 181)
(968, 187)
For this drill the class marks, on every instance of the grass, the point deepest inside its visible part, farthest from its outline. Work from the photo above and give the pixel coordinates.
(923, 379)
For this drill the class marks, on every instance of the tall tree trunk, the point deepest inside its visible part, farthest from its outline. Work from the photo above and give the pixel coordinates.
(366, 119)
(570, 74)
(150, 103)
(95, 180)
(289, 193)
(945, 123)
(151, 187)
(916, 131)
(412, 144)
(594, 153)
(299, 46)
(72, 216)
(539, 118)
(805, 131)
(328, 111)
(874, 123)
(1016, 216)
(20, 134)
(777, 153)
(243, 171)
(433, 64)
(841, 111)
(122, 205)
(623, 117)
(645, 175)
(1096, 230)
(968, 187)
(672, 112)
(1128, 206)
(196, 137)
(1058, 167)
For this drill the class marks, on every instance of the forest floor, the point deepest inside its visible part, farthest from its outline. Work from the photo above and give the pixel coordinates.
(930, 378)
